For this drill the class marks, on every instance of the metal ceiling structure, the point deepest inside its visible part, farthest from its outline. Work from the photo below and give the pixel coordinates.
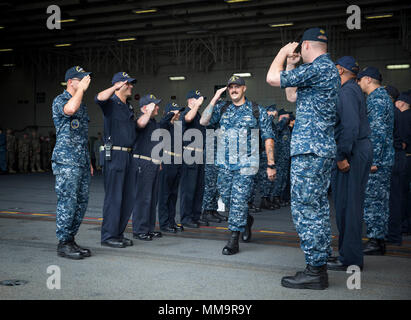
(192, 34)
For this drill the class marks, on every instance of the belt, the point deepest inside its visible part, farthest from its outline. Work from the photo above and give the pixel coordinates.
(147, 158)
(117, 148)
(172, 153)
(193, 149)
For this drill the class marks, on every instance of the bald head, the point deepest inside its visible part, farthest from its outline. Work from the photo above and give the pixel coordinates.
(310, 50)
(319, 46)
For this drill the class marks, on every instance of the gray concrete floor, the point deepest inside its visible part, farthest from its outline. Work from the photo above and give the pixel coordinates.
(186, 266)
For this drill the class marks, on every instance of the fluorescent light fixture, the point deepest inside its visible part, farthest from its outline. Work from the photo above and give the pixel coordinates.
(5, 50)
(379, 16)
(243, 75)
(63, 83)
(397, 66)
(8, 65)
(63, 45)
(197, 31)
(126, 39)
(1, 27)
(176, 78)
(145, 11)
(236, 1)
(66, 20)
(287, 24)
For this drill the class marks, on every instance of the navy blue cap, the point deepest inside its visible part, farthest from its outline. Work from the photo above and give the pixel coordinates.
(281, 112)
(392, 91)
(75, 72)
(405, 97)
(315, 34)
(348, 63)
(195, 94)
(171, 107)
(272, 107)
(122, 76)
(147, 99)
(371, 72)
(236, 80)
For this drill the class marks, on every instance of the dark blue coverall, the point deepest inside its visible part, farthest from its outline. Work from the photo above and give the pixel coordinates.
(348, 188)
(192, 177)
(146, 188)
(169, 179)
(120, 126)
(400, 213)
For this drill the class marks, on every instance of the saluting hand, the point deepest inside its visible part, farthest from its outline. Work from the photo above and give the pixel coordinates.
(289, 48)
(150, 107)
(199, 102)
(119, 85)
(84, 83)
(218, 94)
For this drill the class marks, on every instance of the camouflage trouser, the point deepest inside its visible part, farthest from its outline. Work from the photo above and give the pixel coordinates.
(35, 162)
(72, 189)
(10, 160)
(282, 175)
(23, 162)
(210, 197)
(310, 179)
(235, 189)
(266, 187)
(376, 204)
(3, 160)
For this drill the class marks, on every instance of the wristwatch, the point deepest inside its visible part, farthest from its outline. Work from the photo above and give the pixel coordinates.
(271, 166)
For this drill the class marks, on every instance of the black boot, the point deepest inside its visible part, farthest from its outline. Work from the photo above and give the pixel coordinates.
(266, 204)
(253, 208)
(276, 202)
(246, 235)
(311, 278)
(374, 247)
(83, 251)
(217, 214)
(210, 216)
(66, 249)
(232, 246)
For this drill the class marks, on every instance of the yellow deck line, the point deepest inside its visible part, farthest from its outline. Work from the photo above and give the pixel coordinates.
(277, 232)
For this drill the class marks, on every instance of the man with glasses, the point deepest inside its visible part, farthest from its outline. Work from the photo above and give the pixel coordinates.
(71, 162)
(119, 180)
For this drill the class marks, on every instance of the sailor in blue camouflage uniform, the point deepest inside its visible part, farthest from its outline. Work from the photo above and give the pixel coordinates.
(314, 86)
(237, 157)
(211, 195)
(263, 183)
(380, 111)
(282, 155)
(71, 162)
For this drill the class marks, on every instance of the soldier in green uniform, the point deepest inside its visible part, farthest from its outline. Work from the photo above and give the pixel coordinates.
(23, 152)
(11, 150)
